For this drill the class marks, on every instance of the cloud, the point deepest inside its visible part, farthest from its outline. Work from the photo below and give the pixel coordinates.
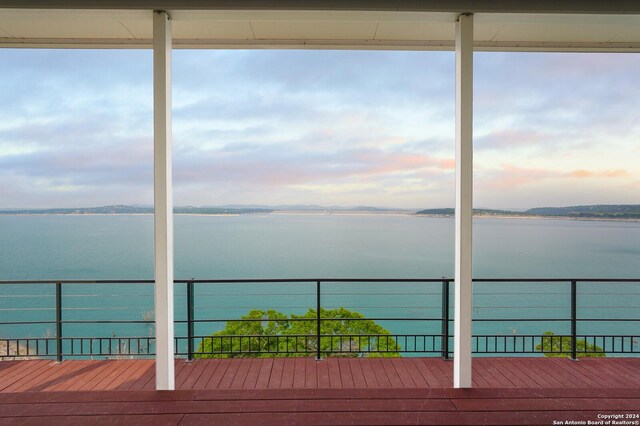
(582, 173)
(367, 127)
(512, 138)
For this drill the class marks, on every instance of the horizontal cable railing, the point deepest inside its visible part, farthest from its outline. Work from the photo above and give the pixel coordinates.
(423, 309)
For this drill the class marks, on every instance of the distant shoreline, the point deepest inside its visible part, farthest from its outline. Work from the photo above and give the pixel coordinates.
(536, 217)
(343, 213)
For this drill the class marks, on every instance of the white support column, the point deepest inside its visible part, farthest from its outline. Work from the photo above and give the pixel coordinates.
(163, 200)
(464, 202)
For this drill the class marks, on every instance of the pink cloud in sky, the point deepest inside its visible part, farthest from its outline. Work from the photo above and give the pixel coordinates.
(510, 176)
(387, 163)
(582, 173)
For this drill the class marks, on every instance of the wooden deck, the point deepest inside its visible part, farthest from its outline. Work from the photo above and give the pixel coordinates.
(300, 373)
(335, 391)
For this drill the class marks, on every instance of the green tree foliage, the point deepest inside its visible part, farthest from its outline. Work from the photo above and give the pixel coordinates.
(273, 334)
(552, 345)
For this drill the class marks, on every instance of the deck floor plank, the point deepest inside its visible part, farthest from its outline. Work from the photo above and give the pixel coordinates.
(403, 374)
(230, 374)
(368, 373)
(210, 369)
(241, 374)
(392, 373)
(569, 367)
(194, 374)
(20, 369)
(266, 365)
(346, 376)
(299, 373)
(323, 374)
(288, 371)
(335, 381)
(311, 373)
(427, 375)
(276, 373)
(252, 375)
(531, 377)
(513, 375)
(356, 371)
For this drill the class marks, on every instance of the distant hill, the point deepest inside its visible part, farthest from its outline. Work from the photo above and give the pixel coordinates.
(621, 211)
(207, 210)
(599, 211)
(614, 211)
(122, 209)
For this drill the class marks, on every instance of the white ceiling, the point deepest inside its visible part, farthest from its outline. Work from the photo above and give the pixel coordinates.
(318, 29)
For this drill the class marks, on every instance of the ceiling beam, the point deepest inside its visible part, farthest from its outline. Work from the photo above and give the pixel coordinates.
(472, 6)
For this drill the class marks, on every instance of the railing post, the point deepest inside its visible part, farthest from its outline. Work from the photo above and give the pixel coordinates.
(445, 319)
(190, 317)
(59, 322)
(574, 320)
(318, 354)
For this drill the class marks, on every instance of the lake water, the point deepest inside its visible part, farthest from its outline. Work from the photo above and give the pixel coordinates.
(319, 246)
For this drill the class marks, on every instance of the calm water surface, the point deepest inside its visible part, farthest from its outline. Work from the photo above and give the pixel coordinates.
(312, 246)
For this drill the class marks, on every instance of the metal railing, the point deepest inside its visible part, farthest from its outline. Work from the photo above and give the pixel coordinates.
(192, 344)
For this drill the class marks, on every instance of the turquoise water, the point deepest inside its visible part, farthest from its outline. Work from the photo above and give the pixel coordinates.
(312, 246)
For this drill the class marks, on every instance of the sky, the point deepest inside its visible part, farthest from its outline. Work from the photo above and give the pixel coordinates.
(345, 128)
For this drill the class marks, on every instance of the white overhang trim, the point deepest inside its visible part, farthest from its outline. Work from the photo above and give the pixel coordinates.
(41, 28)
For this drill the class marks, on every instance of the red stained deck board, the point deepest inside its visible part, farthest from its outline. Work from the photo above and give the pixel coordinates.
(265, 373)
(368, 373)
(323, 374)
(230, 374)
(335, 380)
(427, 375)
(299, 373)
(493, 374)
(311, 373)
(125, 376)
(481, 378)
(276, 373)
(19, 369)
(392, 373)
(118, 369)
(39, 381)
(78, 374)
(227, 406)
(346, 376)
(317, 406)
(217, 375)
(212, 366)
(606, 373)
(403, 374)
(531, 374)
(241, 373)
(572, 368)
(514, 375)
(437, 372)
(356, 373)
(380, 373)
(251, 377)
(142, 377)
(539, 404)
(25, 373)
(138, 420)
(194, 374)
(415, 373)
(288, 371)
